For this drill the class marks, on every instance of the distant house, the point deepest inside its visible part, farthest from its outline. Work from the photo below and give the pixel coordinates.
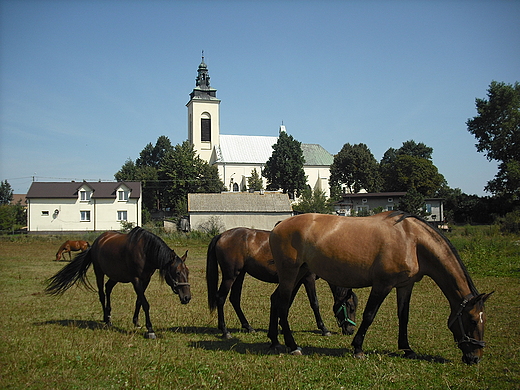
(256, 210)
(82, 206)
(385, 201)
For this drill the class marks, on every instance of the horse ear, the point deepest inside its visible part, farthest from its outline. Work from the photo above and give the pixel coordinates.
(183, 258)
(486, 296)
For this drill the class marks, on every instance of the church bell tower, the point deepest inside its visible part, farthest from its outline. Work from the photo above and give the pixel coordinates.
(203, 115)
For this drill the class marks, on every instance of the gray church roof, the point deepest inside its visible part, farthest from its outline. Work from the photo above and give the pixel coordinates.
(253, 149)
(269, 202)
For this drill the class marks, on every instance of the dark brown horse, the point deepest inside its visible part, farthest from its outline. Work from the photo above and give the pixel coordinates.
(387, 250)
(126, 258)
(69, 246)
(241, 250)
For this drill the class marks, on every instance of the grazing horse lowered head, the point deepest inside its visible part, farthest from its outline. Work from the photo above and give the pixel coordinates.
(384, 251)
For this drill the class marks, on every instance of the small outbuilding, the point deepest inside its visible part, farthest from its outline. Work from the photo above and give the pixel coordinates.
(257, 210)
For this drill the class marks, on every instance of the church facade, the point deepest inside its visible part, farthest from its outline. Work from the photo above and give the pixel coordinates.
(237, 156)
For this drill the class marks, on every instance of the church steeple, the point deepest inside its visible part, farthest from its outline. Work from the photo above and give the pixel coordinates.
(203, 115)
(202, 89)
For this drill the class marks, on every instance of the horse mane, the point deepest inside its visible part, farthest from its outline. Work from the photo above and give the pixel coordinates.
(432, 230)
(156, 251)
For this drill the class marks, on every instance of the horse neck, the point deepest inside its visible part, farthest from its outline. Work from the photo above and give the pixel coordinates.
(445, 268)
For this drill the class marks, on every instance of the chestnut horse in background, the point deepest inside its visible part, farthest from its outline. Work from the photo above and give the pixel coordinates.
(126, 258)
(385, 251)
(241, 250)
(69, 246)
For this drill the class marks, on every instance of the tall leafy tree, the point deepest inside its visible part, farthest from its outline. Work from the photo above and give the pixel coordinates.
(313, 202)
(255, 181)
(410, 167)
(356, 167)
(284, 169)
(6, 192)
(497, 130)
(185, 173)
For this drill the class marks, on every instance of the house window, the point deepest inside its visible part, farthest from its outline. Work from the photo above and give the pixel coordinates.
(390, 207)
(84, 196)
(85, 216)
(235, 187)
(364, 200)
(205, 130)
(428, 208)
(122, 195)
(390, 200)
(45, 213)
(122, 215)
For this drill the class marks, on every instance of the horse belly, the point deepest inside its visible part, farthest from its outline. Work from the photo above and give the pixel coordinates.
(353, 274)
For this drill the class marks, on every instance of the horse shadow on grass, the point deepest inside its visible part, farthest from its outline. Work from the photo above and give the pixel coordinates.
(262, 348)
(83, 324)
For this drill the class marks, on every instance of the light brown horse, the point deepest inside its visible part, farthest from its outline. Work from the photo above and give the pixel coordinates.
(242, 250)
(384, 251)
(126, 258)
(69, 246)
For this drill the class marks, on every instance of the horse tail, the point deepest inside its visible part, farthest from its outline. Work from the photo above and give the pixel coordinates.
(212, 273)
(73, 272)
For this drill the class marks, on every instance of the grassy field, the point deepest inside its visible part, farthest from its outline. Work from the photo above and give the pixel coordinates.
(61, 343)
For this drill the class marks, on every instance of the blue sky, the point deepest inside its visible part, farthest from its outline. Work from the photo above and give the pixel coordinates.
(84, 85)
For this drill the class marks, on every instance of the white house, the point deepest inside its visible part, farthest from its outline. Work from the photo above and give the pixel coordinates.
(386, 201)
(237, 155)
(82, 206)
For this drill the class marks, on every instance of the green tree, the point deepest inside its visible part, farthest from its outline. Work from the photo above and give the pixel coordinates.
(497, 130)
(356, 167)
(413, 202)
(6, 192)
(313, 202)
(409, 167)
(284, 169)
(185, 173)
(255, 181)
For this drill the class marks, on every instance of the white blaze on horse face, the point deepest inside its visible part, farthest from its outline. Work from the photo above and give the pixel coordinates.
(481, 315)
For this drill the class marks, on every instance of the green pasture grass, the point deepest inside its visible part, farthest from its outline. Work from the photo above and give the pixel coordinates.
(61, 343)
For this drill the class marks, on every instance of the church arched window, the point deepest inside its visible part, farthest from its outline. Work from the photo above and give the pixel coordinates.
(205, 127)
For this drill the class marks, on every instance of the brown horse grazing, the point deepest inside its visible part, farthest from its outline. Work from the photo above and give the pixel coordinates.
(69, 246)
(126, 258)
(241, 250)
(387, 250)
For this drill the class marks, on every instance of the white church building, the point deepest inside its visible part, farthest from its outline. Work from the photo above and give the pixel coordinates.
(236, 156)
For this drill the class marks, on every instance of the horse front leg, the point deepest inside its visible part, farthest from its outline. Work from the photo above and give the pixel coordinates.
(135, 318)
(234, 298)
(403, 312)
(309, 282)
(138, 287)
(376, 298)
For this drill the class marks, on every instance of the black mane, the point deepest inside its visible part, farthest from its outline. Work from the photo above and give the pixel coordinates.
(403, 215)
(156, 251)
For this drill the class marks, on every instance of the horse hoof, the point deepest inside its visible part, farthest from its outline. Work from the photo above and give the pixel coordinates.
(410, 354)
(360, 355)
(297, 352)
(327, 333)
(150, 335)
(227, 336)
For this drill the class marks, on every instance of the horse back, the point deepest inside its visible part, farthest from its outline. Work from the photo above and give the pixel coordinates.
(346, 251)
(244, 249)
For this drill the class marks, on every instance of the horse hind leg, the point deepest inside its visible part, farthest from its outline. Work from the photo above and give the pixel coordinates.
(109, 286)
(234, 298)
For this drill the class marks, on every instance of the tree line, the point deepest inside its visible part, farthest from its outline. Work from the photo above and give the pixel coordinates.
(168, 173)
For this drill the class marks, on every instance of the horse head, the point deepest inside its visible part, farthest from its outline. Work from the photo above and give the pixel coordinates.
(177, 277)
(345, 312)
(467, 325)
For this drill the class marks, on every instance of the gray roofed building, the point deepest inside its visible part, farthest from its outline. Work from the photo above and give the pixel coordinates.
(254, 210)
